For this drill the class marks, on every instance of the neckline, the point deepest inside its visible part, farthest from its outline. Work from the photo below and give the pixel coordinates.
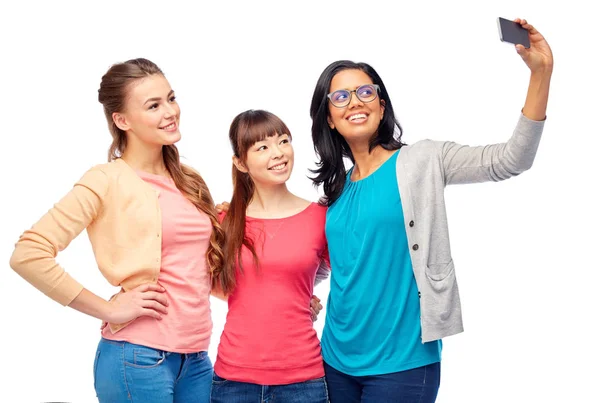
(372, 173)
(148, 175)
(310, 205)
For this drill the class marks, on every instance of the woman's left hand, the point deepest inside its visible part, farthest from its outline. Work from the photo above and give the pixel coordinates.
(538, 57)
(315, 307)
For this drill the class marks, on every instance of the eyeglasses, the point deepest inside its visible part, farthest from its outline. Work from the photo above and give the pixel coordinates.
(365, 93)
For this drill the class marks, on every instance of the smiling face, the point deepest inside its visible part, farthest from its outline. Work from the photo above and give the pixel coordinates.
(358, 121)
(151, 112)
(269, 162)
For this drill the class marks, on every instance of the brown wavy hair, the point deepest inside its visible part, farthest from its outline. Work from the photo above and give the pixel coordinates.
(113, 96)
(246, 129)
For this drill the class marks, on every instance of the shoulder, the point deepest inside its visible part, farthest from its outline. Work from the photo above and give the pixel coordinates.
(426, 145)
(422, 151)
(102, 176)
(109, 169)
(317, 212)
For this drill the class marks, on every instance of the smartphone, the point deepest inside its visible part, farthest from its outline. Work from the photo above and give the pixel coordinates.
(512, 32)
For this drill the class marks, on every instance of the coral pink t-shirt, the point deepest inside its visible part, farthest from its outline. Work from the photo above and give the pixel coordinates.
(186, 232)
(269, 338)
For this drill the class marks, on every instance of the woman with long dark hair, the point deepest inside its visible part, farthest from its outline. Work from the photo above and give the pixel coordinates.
(275, 250)
(393, 293)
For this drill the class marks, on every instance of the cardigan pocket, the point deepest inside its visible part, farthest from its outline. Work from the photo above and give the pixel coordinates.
(439, 271)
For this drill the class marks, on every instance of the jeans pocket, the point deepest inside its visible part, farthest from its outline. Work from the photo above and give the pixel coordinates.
(316, 380)
(217, 380)
(144, 357)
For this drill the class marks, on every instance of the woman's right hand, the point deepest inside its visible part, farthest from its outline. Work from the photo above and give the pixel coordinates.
(222, 207)
(144, 300)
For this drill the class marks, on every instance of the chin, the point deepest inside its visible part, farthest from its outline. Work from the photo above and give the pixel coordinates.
(172, 139)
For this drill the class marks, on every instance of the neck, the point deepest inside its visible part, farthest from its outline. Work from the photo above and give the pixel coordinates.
(143, 157)
(269, 199)
(365, 162)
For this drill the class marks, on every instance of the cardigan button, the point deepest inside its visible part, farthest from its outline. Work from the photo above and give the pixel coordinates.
(415, 247)
(419, 294)
(411, 223)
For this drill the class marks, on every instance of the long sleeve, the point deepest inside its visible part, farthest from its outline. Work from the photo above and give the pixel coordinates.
(324, 268)
(34, 257)
(464, 164)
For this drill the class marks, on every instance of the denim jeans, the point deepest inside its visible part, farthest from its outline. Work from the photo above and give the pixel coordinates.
(126, 372)
(418, 385)
(225, 391)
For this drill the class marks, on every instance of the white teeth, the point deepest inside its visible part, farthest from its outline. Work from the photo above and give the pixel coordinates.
(357, 116)
(278, 167)
(169, 127)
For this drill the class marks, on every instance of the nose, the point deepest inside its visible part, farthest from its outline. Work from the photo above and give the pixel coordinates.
(277, 153)
(354, 100)
(170, 111)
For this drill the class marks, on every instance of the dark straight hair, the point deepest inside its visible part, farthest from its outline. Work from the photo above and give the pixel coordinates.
(246, 129)
(330, 146)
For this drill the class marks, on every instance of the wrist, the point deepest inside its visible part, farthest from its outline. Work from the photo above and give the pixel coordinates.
(542, 73)
(106, 312)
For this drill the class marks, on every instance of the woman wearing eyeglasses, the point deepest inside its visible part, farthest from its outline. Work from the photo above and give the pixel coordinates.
(393, 293)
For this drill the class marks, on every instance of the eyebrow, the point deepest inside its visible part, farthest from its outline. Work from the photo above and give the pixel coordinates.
(279, 135)
(348, 89)
(158, 98)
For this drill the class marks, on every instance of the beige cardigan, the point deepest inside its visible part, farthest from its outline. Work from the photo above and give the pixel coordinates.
(123, 220)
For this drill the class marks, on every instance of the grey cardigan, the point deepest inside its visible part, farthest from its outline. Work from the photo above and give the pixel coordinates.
(423, 170)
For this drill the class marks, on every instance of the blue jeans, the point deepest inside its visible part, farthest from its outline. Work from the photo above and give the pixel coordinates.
(418, 385)
(126, 372)
(225, 391)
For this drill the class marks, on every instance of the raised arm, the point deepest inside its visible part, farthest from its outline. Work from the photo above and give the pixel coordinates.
(464, 164)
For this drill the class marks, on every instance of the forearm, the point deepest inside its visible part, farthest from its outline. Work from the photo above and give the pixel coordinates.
(537, 95)
(89, 303)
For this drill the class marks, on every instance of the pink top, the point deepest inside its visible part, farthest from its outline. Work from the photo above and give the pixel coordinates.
(187, 326)
(269, 337)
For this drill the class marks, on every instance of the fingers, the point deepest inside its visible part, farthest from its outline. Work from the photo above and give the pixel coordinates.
(149, 287)
(314, 314)
(526, 25)
(315, 304)
(151, 304)
(156, 296)
(315, 307)
(152, 313)
(222, 207)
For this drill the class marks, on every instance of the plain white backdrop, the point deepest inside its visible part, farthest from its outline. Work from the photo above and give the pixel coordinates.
(526, 250)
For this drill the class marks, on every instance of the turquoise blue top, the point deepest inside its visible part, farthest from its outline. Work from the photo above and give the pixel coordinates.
(372, 325)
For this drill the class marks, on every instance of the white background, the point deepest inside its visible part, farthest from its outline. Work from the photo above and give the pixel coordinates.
(526, 250)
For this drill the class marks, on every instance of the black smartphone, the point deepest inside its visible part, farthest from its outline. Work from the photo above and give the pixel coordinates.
(512, 32)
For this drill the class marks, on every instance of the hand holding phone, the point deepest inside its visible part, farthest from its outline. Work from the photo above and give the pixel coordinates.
(513, 32)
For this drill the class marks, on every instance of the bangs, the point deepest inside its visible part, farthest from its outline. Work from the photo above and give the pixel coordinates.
(257, 125)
